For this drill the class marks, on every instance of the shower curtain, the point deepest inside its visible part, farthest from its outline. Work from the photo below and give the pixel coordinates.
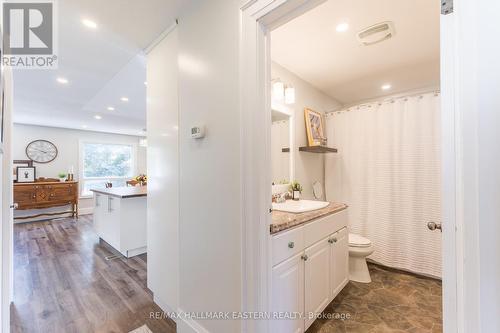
(387, 170)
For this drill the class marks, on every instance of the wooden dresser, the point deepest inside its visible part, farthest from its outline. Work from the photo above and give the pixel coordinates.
(42, 195)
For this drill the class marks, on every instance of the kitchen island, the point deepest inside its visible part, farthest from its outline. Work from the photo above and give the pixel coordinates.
(120, 218)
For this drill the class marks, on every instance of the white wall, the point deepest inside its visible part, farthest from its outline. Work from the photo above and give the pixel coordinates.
(210, 186)
(478, 109)
(309, 167)
(67, 143)
(163, 173)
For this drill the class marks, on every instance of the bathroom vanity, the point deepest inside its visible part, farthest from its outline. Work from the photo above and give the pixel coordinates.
(310, 264)
(120, 218)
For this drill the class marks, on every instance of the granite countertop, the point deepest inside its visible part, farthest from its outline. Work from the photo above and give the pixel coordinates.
(124, 192)
(284, 220)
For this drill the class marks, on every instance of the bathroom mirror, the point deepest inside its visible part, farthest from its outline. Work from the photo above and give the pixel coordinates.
(282, 148)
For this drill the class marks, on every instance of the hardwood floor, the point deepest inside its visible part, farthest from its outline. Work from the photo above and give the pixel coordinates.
(63, 283)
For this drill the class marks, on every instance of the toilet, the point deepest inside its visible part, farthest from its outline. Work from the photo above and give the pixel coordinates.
(359, 248)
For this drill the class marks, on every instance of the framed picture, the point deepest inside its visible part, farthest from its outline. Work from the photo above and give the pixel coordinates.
(20, 163)
(314, 128)
(26, 174)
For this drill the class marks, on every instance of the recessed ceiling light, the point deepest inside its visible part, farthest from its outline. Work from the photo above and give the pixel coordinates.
(386, 87)
(62, 80)
(98, 117)
(89, 24)
(342, 27)
(124, 99)
(110, 108)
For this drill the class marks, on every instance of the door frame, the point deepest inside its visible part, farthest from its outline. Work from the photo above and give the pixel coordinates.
(257, 19)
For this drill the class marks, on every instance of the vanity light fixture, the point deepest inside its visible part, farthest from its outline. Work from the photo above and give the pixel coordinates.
(289, 94)
(124, 99)
(62, 80)
(98, 117)
(386, 86)
(110, 108)
(89, 24)
(278, 93)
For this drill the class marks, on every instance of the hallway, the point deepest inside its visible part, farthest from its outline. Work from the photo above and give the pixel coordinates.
(63, 283)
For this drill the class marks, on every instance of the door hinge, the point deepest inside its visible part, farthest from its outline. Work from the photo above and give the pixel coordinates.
(446, 7)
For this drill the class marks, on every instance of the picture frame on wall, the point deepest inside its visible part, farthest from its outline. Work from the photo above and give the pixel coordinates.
(315, 128)
(25, 174)
(20, 163)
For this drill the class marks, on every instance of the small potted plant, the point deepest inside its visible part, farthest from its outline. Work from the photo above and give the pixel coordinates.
(62, 176)
(296, 189)
(142, 179)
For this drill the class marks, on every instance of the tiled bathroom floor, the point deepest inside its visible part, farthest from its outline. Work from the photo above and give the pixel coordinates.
(394, 302)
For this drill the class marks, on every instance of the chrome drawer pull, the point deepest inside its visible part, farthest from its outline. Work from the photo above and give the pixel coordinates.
(304, 257)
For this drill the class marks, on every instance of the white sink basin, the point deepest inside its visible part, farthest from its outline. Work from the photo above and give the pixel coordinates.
(301, 206)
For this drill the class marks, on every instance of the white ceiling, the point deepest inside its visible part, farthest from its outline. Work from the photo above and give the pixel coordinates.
(101, 66)
(336, 63)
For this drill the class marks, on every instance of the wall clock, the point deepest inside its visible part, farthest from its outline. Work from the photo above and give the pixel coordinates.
(41, 151)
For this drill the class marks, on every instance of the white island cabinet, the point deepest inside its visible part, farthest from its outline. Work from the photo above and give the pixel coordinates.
(310, 268)
(120, 218)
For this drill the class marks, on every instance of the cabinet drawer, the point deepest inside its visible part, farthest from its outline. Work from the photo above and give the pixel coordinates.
(317, 230)
(287, 244)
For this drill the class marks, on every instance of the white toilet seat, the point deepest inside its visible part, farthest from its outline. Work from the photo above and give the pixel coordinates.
(356, 240)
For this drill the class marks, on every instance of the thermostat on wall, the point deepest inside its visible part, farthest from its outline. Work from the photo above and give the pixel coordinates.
(198, 132)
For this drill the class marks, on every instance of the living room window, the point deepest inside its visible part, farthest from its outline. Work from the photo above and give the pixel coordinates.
(102, 163)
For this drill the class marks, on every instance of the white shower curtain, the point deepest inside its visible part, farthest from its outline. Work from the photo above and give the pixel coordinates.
(388, 171)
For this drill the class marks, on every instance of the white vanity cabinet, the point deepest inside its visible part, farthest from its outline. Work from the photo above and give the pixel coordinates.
(288, 294)
(339, 264)
(317, 262)
(310, 268)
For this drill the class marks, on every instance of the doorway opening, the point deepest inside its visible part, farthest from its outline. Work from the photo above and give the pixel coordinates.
(372, 78)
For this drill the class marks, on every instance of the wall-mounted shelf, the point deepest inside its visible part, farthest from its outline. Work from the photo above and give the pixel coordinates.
(318, 149)
(285, 150)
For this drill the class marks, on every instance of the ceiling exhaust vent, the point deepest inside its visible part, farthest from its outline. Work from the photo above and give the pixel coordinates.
(376, 33)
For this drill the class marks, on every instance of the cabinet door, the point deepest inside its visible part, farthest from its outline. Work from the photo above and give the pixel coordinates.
(288, 295)
(339, 261)
(317, 280)
(98, 212)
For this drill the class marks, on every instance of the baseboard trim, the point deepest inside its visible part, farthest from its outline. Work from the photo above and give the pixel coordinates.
(190, 324)
(86, 211)
(164, 307)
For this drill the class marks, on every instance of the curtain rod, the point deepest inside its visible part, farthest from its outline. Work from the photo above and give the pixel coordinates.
(386, 100)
